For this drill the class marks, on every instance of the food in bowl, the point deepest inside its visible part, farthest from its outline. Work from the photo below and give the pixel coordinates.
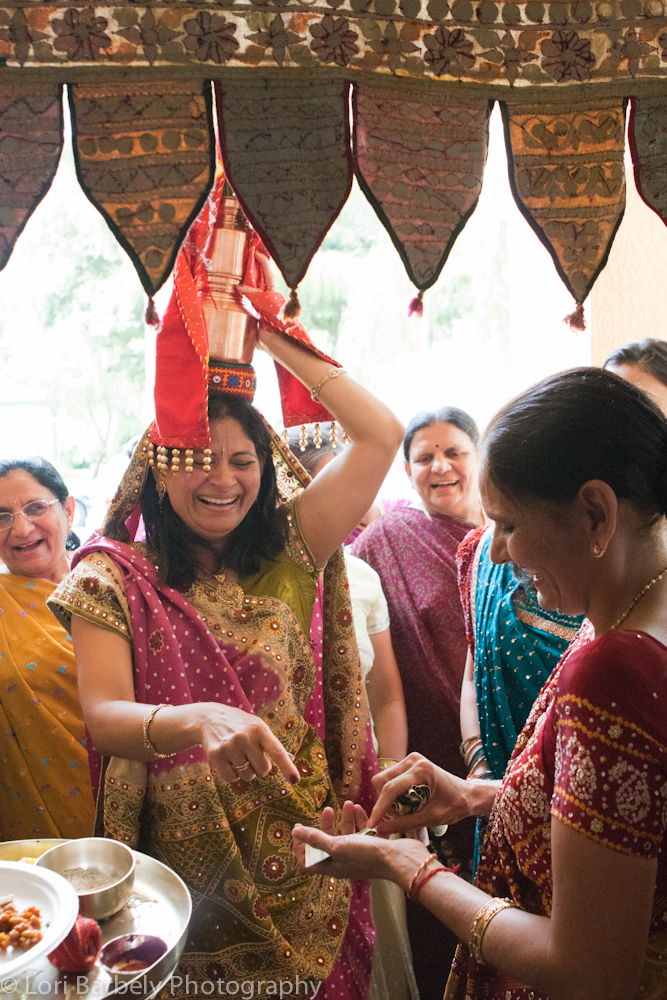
(19, 930)
(101, 871)
(88, 879)
(132, 953)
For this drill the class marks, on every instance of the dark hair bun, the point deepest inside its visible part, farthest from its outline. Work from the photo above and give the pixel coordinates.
(582, 424)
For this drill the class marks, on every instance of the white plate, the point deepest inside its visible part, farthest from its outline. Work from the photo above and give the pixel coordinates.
(53, 895)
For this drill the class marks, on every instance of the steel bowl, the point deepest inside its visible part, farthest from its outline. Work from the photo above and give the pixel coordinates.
(131, 955)
(110, 858)
(27, 850)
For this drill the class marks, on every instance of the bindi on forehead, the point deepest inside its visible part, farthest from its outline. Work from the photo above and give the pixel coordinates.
(8, 504)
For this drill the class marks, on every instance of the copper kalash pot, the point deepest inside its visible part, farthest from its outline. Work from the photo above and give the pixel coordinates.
(232, 333)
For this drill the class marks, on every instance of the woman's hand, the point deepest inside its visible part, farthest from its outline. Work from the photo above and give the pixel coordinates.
(238, 744)
(355, 856)
(452, 798)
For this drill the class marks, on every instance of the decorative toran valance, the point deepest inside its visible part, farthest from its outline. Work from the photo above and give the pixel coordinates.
(308, 95)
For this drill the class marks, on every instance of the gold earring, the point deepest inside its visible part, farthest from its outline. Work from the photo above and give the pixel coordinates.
(161, 488)
(598, 552)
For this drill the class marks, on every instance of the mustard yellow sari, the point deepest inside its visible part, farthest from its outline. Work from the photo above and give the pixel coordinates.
(44, 778)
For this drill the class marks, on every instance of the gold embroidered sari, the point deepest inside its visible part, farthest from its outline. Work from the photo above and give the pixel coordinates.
(256, 914)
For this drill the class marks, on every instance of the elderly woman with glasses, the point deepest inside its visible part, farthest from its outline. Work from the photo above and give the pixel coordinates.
(44, 777)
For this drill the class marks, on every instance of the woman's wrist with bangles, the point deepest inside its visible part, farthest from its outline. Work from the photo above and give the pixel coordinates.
(178, 729)
(474, 757)
(149, 746)
(481, 922)
(429, 867)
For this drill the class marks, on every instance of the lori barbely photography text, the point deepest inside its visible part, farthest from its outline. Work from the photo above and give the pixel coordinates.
(177, 986)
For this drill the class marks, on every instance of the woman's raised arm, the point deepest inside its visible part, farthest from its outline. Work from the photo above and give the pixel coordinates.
(335, 502)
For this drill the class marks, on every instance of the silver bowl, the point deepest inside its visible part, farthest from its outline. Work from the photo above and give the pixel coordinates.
(131, 955)
(22, 850)
(95, 855)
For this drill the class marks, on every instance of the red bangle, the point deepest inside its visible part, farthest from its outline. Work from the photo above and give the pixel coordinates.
(432, 857)
(434, 871)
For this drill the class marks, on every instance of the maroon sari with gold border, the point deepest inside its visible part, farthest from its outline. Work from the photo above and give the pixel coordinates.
(593, 753)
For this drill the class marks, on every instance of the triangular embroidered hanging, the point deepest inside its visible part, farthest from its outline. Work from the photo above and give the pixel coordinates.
(567, 177)
(419, 158)
(286, 148)
(145, 157)
(647, 135)
(31, 141)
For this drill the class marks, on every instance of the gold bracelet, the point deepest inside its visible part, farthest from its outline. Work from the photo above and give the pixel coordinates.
(473, 749)
(386, 762)
(147, 740)
(332, 373)
(463, 748)
(481, 923)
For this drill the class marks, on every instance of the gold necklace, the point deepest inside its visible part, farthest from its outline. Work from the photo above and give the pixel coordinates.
(638, 599)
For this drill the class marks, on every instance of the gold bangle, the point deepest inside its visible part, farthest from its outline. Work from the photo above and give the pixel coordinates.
(481, 923)
(332, 373)
(386, 762)
(471, 751)
(463, 748)
(147, 740)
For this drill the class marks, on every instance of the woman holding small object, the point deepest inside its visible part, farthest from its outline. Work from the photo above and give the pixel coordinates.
(570, 889)
(44, 777)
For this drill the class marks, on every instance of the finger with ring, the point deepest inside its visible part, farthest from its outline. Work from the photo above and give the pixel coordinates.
(241, 767)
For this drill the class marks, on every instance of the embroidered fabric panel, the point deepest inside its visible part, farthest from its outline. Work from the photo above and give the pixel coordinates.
(503, 42)
(566, 172)
(562, 626)
(647, 135)
(232, 845)
(286, 147)
(419, 158)
(611, 750)
(31, 139)
(93, 590)
(144, 156)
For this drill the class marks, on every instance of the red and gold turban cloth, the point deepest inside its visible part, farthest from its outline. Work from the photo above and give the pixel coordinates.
(209, 330)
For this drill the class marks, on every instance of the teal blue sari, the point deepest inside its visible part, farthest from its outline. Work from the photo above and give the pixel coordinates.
(517, 645)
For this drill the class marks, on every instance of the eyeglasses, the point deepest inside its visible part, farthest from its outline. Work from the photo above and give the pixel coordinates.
(32, 511)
